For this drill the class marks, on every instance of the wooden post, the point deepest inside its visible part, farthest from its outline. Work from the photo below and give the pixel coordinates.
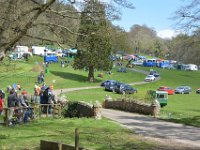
(76, 139)
(47, 111)
(40, 111)
(6, 117)
(53, 112)
(60, 110)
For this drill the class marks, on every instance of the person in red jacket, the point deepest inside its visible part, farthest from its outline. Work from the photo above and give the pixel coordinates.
(2, 95)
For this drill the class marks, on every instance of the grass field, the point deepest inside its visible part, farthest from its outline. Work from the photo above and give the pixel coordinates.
(103, 134)
(98, 134)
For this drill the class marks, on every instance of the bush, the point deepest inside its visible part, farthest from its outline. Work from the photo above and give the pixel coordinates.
(70, 110)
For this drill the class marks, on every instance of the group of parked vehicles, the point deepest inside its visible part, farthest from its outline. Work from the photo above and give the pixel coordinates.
(178, 90)
(152, 76)
(118, 87)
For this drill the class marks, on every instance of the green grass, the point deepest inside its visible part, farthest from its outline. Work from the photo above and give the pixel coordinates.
(93, 95)
(98, 134)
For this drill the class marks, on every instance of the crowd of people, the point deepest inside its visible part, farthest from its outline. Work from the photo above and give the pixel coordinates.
(20, 103)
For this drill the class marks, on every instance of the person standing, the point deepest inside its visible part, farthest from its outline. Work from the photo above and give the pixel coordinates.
(12, 103)
(2, 96)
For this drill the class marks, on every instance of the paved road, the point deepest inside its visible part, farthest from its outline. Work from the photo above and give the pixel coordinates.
(154, 128)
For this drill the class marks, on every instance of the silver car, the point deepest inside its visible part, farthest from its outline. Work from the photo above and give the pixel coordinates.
(183, 90)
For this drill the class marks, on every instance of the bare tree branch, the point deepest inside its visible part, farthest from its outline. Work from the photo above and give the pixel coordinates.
(57, 25)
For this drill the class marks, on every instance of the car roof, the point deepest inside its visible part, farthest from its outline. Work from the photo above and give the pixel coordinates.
(150, 76)
(161, 92)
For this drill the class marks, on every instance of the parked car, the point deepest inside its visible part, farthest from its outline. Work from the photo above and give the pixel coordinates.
(198, 91)
(110, 86)
(155, 73)
(122, 69)
(169, 90)
(125, 88)
(183, 90)
(150, 78)
(106, 82)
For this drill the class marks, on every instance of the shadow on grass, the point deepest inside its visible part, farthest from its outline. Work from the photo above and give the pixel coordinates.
(194, 121)
(73, 76)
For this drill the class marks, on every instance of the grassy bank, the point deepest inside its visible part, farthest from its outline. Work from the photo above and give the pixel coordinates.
(98, 134)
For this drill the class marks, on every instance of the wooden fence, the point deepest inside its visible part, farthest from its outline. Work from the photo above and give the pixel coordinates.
(36, 111)
(49, 145)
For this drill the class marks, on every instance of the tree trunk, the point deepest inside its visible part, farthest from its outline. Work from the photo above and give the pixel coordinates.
(91, 74)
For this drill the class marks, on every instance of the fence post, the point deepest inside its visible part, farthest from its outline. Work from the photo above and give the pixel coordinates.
(60, 110)
(6, 117)
(76, 139)
(40, 111)
(53, 110)
(47, 111)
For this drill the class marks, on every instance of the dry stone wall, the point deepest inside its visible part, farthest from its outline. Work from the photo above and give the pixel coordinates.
(133, 106)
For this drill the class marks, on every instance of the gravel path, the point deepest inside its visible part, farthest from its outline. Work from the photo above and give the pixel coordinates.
(157, 129)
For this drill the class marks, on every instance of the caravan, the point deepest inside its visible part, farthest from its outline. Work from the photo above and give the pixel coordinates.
(20, 50)
(38, 50)
(191, 67)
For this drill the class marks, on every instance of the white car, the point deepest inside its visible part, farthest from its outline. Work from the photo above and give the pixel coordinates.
(150, 78)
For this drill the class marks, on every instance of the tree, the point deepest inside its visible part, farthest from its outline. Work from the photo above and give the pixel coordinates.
(188, 16)
(119, 39)
(37, 19)
(144, 40)
(93, 42)
(187, 47)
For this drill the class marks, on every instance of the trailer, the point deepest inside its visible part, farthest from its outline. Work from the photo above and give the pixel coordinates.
(38, 50)
(20, 50)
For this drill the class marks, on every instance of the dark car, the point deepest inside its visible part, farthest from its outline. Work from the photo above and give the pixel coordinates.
(122, 69)
(183, 90)
(125, 88)
(106, 82)
(110, 86)
(198, 91)
(155, 73)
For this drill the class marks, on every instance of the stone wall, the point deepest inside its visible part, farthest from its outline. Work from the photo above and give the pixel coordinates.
(133, 106)
(83, 109)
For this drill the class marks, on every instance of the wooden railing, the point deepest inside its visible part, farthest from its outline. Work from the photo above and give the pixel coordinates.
(48, 109)
(36, 111)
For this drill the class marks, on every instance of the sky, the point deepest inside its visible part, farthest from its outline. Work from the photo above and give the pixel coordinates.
(155, 14)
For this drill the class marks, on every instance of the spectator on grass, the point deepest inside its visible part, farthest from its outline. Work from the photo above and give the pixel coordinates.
(62, 63)
(36, 96)
(2, 96)
(23, 99)
(42, 76)
(12, 102)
